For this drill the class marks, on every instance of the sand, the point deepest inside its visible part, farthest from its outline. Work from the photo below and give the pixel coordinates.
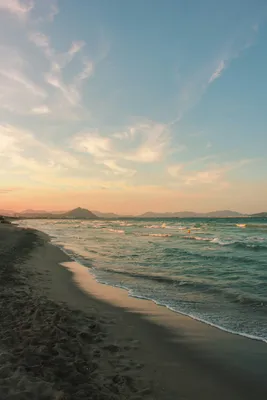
(65, 336)
(47, 349)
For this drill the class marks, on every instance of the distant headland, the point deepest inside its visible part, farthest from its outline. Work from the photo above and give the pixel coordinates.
(83, 213)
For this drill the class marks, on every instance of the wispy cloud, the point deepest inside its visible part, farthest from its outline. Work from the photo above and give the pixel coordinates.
(71, 91)
(58, 60)
(54, 10)
(8, 190)
(19, 8)
(45, 11)
(27, 88)
(18, 92)
(118, 170)
(19, 78)
(43, 42)
(94, 144)
(43, 109)
(175, 170)
(213, 174)
(124, 135)
(76, 47)
(87, 71)
(178, 170)
(22, 153)
(209, 176)
(142, 143)
(154, 142)
(218, 72)
(195, 85)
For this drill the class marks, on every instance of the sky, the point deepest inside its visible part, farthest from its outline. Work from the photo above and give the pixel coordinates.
(133, 106)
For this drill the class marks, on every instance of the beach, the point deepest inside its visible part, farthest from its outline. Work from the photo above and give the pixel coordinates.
(65, 336)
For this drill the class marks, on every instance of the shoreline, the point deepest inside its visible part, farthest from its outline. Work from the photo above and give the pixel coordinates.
(151, 352)
(53, 344)
(208, 343)
(198, 319)
(195, 318)
(222, 349)
(228, 306)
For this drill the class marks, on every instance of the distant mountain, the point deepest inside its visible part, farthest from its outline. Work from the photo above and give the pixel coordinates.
(259, 215)
(191, 214)
(151, 214)
(187, 214)
(183, 214)
(110, 215)
(78, 213)
(33, 212)
(224, 214)
(105, 215)
(7, 212)
(40, 214)
(83, 213)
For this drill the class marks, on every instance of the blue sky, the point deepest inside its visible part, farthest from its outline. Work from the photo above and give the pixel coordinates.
(131, 106)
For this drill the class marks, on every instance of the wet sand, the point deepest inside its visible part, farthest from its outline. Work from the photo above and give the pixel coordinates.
(65, 336)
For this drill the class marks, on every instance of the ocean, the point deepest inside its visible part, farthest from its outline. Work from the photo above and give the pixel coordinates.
(213, 270)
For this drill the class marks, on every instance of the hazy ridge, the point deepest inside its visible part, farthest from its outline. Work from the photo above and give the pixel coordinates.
(83, 213)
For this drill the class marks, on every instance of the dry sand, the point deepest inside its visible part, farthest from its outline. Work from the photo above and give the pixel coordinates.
(65, 336)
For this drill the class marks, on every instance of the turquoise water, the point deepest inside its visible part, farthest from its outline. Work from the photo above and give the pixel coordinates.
(214, 270)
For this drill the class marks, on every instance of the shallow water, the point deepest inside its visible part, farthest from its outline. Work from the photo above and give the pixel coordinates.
(214, 270)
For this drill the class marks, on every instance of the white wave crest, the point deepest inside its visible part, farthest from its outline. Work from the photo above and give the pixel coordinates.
(116, 230)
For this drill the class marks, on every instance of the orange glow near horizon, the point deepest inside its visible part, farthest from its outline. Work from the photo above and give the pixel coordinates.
(134, 201)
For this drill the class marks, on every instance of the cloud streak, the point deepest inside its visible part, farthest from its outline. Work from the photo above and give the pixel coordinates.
(8, 190)
(218, 72)
(54, 10)
(195, 85)
(41, 110)
(22, 153)
(142, 143)
(52, 92)
(214, 174)
(118, 170)
(71, 91)
(18, 8)
(18, 92)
